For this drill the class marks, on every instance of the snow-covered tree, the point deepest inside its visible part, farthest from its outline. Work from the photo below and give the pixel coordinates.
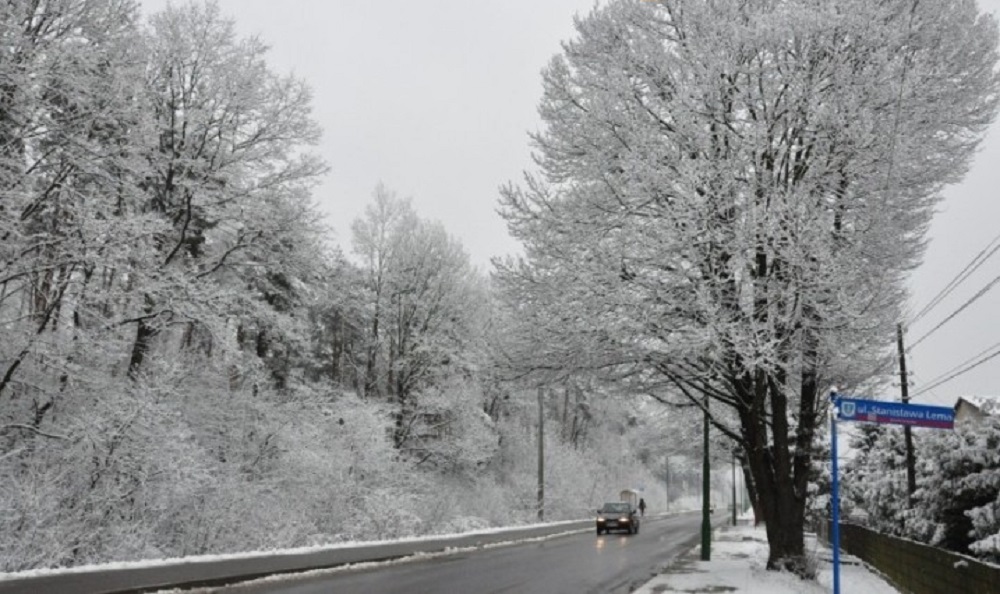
(375, 239)
(958, 485)
(227, 189)
(731, 195)
(70, 121)
(425, 305)
(986, 530)
(150, 179)
(874, 480)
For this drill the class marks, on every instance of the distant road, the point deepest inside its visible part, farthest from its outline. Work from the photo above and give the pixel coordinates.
(574, 564)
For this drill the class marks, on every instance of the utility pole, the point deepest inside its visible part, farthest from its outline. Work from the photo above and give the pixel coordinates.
(541, 455)
(911, 464)
(706, 520)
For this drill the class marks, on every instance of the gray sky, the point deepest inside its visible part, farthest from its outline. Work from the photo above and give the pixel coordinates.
(968, 220)
(435, 99)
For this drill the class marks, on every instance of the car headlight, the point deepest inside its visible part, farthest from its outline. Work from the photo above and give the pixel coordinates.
(623, 519)
(600, 518)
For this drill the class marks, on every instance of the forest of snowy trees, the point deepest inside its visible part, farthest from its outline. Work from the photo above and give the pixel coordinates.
(730, 196)
(187, 365)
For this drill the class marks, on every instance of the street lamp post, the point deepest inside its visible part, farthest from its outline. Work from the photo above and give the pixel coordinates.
(734, 487)
(541, 455)
(666, 480)
(706, 520)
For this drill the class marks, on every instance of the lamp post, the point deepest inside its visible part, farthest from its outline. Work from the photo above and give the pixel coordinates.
(706, 520)
(666, 481)
(734, 487)
(541, 455)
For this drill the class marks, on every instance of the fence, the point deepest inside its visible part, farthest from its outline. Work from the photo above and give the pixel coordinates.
(917, 568)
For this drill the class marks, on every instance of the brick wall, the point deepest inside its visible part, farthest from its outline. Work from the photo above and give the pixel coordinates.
(918, 568)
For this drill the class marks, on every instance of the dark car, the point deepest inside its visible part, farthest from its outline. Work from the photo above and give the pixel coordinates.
(617, 516)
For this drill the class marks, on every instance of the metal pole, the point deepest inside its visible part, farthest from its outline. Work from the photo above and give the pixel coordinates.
(743, 490)
(734, 487)
(541, 456)
(666, 468)
(706, 520)
(834, 496)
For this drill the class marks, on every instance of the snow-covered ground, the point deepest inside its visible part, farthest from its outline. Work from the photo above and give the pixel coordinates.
(739, 555)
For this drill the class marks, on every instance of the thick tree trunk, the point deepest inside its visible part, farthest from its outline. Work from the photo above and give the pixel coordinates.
(784, 520)
(780, 490)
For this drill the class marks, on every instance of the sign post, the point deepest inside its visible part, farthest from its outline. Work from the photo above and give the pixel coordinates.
(834, 496)
(873, 411)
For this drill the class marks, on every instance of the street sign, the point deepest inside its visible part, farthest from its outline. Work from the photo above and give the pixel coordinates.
(873, 411)
(896, 413)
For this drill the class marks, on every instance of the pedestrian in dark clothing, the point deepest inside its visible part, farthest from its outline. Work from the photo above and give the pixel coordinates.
(642, 506)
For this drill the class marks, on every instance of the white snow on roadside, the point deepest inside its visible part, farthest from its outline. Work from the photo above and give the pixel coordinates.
(739, 557)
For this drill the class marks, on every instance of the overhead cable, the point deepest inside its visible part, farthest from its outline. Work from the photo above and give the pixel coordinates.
(984, 254)
(979, 294)
(962, 368)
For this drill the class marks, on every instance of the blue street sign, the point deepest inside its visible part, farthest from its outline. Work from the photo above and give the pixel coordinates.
(896, 413)
(873, 411)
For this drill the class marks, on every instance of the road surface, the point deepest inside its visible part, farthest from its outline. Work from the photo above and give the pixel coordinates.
(577, 563)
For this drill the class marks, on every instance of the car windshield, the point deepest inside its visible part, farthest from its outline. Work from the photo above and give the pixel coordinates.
(615, 508)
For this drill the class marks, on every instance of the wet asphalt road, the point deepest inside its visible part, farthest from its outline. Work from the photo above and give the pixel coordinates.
(574, 564)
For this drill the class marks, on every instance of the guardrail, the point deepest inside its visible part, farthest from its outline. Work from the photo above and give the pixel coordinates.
(211, 571)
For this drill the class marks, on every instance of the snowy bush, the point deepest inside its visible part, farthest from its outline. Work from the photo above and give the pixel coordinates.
(957, 502)
(959, 473)
(874, 481)
(986, 529)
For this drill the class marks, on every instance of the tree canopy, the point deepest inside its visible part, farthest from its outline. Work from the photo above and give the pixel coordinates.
(731, 195)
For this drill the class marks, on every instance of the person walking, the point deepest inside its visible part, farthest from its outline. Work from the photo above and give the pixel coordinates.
(642, 506)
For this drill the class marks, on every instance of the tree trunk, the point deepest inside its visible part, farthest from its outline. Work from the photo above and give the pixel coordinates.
(564, 428)
(779, 490)
(337, 350)
(751, 488)
(784, 519)
(371, 383)
(143, 335)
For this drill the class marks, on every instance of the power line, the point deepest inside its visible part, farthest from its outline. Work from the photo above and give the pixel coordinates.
(971, 267)
(961, 372)
(970, 359)
(969, 365)
(979, 294)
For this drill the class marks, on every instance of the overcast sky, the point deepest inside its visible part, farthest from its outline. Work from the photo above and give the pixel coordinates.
(435, 99)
